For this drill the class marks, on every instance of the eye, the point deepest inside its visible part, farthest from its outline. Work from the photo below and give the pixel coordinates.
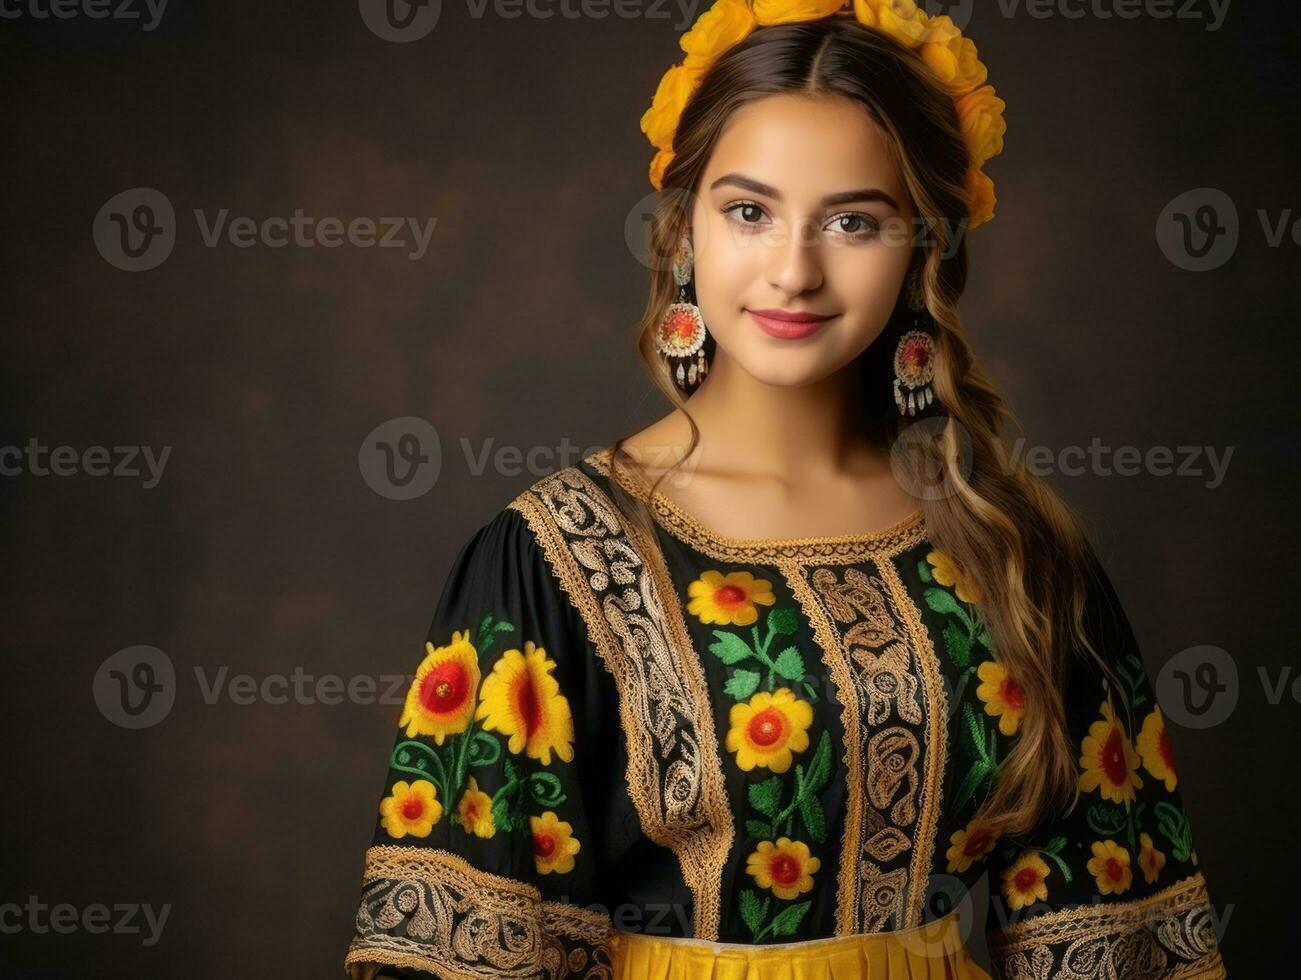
(745, 213)
(856, 225)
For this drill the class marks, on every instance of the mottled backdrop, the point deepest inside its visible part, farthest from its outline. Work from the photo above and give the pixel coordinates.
(238, 532)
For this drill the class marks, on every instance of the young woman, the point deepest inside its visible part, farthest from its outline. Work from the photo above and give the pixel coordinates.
(763, 690)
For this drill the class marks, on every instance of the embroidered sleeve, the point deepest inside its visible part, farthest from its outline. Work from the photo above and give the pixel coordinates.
(481, 855)
(1111, 888)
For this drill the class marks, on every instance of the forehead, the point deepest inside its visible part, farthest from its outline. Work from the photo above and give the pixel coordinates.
(805, 144)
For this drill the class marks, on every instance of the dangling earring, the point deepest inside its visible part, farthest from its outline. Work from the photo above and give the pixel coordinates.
(914, 357)
(680, 338)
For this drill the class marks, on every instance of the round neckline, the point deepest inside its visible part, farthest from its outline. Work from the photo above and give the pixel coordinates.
(682, 524)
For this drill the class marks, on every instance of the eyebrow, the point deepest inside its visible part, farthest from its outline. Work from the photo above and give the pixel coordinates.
(830, 201)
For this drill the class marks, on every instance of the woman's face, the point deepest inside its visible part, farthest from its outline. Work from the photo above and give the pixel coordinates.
(800, 211)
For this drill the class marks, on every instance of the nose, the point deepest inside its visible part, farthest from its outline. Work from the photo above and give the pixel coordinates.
(795, 261)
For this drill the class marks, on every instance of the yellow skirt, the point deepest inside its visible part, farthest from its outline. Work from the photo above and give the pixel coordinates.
(934, 951)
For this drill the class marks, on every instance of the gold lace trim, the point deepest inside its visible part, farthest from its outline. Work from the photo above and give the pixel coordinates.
(830, 548)
(875, 647)
(432, 910)
(617, 581)
(1139, 937)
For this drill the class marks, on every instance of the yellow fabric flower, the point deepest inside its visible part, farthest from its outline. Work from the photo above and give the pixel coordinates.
(901, 20)
(946, 572)
(1154, 747)
(1110, 867)
(440, 701)
(1110, 764)
(980, 198)
(1003, 697)
(675, 89)
(411, 808)
(768, 729)
(521, 699)
(970, 844)
(722, 26)
(980, 113)
(659, 163)
(1149, 858)
(1026, 881)
(951, 56)
(768, 12)
(554, 844)
(475, 811)
(785, 867)
(728, 599)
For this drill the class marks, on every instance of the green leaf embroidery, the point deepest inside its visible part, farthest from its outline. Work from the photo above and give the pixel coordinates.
(759, 830)
(783, 621)
(924, 570)
(1105, 820)
(958, 645)
(814, 821)
(788, 920)
(1173, 824)
(790, 664)
(766, 796)
(742, 684)
(944, 602)
(729, 647)
(752, 910)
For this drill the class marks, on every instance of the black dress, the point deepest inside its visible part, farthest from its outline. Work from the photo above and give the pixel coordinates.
(750, 742)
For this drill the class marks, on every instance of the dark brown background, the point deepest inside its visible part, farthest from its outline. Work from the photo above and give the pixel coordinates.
(263, 549)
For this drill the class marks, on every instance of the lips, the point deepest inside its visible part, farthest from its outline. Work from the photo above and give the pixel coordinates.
(788, 325)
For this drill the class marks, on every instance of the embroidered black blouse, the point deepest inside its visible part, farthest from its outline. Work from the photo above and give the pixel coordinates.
(753, 742)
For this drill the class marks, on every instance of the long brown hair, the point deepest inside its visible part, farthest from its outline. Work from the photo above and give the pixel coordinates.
(1021, 547)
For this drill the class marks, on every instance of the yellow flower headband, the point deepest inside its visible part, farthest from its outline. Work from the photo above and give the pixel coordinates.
(937, 40)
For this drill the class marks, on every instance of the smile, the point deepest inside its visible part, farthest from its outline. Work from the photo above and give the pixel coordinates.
(787, 325)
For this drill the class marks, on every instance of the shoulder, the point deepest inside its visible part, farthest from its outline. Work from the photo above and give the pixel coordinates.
(567, 498)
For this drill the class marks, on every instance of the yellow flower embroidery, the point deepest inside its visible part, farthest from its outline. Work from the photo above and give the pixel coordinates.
(412, 808)
(1025, 881)
(946, 572)
(1003, 696)
(1154, 747)
(1110, 867)
(1149, 858)
(785, 867)
(970, 844)
(1110, 764)
(521, 699)
(554, 844)
(475, 811)
(728, 599)
(440, 702)
(768, 728)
